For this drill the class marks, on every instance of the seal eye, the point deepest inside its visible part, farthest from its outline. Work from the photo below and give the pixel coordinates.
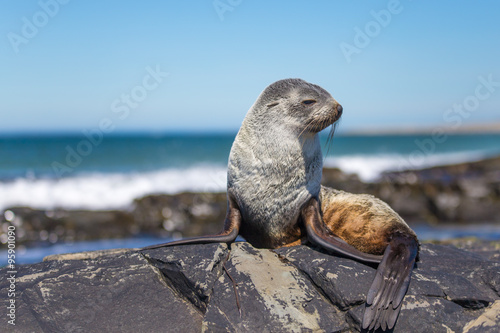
(309, 102)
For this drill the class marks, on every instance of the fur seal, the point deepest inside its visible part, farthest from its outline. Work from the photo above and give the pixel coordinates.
(274, 192)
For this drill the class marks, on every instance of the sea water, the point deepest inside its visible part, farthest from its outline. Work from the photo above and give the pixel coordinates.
(73, 171)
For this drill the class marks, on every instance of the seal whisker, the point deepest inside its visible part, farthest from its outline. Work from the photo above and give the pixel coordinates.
(329, 140)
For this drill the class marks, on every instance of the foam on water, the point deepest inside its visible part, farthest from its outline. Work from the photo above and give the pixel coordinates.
(118, 190)
(370, 167)
(108, 191)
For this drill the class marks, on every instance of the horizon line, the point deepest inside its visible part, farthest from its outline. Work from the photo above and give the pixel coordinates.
(475, 128)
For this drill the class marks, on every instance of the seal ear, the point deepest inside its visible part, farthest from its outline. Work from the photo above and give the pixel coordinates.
(272, 104)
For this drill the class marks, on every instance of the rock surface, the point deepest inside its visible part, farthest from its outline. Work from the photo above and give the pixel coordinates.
(297, 289)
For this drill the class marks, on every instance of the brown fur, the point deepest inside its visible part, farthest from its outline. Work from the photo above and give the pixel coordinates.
(361, 220)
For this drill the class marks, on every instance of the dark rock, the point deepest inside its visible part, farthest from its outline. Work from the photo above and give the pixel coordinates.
(465, 277)
(298, 289)
(274, 297)
(421, 313)
(336, 178)
(119, 292)
(51, 226)
(454, 193)
(179, 215)
(492, 279)
(488, 322)
(190, 272)
(489, 250)
(183, 215)
(345, 282)
(446, 280)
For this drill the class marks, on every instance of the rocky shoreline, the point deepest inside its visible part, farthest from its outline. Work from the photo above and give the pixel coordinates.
(455, 194)
(296, 289)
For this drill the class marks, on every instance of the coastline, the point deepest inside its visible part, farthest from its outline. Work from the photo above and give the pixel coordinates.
(461, 194)
(474, 128)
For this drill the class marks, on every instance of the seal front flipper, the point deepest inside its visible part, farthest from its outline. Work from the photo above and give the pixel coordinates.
(319, 235)
(232, 224)
(392, 279)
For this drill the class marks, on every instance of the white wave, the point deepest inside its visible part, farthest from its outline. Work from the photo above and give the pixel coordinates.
(369, 167)
(108, 191)
(366, 167)
(118, 190)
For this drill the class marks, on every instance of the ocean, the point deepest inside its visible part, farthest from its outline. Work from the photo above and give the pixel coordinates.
(92, 172)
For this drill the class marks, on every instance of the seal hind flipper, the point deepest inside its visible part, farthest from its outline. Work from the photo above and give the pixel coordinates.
(232, 224)
(318, 234)
(391, 282)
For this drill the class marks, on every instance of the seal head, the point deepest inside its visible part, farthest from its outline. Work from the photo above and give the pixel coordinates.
(297, 104)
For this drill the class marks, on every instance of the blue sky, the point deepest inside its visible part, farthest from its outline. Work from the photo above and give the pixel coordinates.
(72, 71)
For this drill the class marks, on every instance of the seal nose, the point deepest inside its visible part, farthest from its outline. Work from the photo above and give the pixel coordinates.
(339, 109)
